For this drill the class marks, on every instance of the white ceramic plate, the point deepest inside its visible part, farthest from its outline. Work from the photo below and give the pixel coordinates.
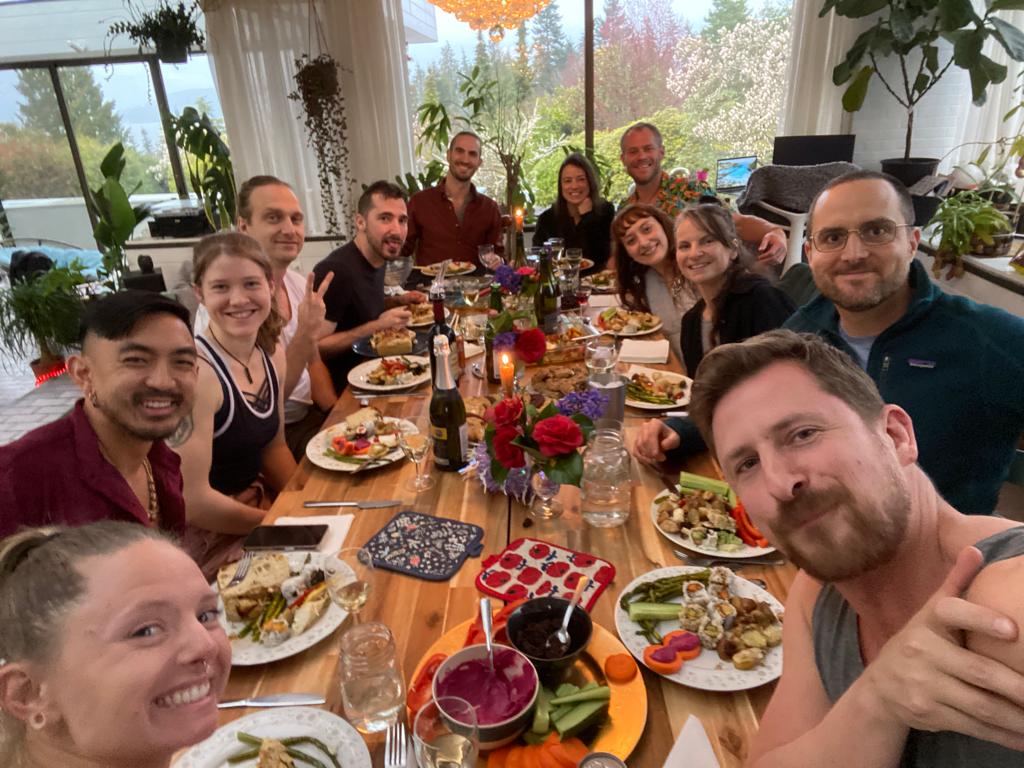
(707, 672)
(684, 541)
(349, 747)
(644, 332)
(653, 406)
(464, 268)
(358, 376)
(246, 653)
(315, 448)
(586, 264)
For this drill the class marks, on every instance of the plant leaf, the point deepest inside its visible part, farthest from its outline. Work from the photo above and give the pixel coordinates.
(567, 470)
(1011, 38)
(853, 96)
(954, 14)
(1006, 5)
(856, 9)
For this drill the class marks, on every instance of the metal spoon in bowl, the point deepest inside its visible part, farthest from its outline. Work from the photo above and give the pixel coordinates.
(562, 635)
(485, 620)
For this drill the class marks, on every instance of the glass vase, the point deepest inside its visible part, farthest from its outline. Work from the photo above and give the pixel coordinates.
(544, 506)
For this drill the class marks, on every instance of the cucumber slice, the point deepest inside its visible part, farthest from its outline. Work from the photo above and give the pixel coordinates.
(542, 711)
(580, 718)
(600, 693)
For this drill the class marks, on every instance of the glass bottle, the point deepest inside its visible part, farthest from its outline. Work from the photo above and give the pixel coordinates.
(441, 328)
(447, 414)
(547, 298)
(605, 489)
(372, 690)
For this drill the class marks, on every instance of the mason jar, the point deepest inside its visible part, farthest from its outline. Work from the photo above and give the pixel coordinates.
(372, 690)
(605, 489)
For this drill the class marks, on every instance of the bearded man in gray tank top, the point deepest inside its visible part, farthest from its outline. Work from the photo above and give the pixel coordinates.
(887, 663)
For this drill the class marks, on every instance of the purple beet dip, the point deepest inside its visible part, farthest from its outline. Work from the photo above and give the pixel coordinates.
(495, 695)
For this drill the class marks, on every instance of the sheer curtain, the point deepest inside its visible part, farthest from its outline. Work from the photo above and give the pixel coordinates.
(253, 45)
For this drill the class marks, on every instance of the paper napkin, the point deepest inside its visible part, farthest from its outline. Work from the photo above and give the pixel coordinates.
(337, 529)
(636, 351)
(692, 749)
(603, 300)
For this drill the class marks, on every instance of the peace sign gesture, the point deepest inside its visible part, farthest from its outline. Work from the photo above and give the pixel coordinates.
(310, 314)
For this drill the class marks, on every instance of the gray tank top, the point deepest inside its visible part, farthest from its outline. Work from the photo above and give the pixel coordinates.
(837, 656)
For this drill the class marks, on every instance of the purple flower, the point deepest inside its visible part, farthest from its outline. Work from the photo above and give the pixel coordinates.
(505, 340)
(590, 403)
(507, 278)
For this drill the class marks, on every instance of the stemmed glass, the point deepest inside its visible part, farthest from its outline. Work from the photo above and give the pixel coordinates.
(349, 577)
(416, 446)
(544, 489)
(471, 288)
(445, 734)
(488, 257)
(601, 354)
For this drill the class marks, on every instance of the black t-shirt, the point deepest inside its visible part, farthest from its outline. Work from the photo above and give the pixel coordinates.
(592, 233)
(355, 296)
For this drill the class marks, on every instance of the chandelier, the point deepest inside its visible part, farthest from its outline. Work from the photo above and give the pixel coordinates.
(493, 15)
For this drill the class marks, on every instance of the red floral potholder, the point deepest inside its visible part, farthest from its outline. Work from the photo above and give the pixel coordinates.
(534, 568)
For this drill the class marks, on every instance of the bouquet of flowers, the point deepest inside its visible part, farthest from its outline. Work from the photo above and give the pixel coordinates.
(512, 328)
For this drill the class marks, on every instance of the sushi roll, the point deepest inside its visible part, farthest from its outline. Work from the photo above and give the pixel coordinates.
(723, 611)
(710, 633)
(695, 592)
(720, 576)
(275, 632)
(692, 616)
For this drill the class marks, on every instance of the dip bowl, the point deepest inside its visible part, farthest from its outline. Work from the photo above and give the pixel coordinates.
(461, 675)
(550, 611)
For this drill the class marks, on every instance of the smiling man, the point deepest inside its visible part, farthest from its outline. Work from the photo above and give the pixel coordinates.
(955, 366)
(106, 460)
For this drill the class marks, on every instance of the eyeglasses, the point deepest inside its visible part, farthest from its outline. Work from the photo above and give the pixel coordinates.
(877, 232)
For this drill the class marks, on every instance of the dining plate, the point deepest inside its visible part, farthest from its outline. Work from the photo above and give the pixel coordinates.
(246, 653)
(627, 711)
(316, 448)
(359, 376)
(586, 263)
(454, 268)
(655, 406)
(684, 541)
(706, 672)
(349, 748)
(365, 348)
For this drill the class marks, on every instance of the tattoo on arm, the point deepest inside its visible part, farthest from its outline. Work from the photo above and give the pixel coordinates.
(182, 433)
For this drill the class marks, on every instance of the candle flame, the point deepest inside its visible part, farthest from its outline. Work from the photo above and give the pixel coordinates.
(504, 358)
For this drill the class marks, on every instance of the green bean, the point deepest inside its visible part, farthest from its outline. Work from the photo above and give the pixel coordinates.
(316, 743)
(302, 757)
(248, 738)
(241, 757)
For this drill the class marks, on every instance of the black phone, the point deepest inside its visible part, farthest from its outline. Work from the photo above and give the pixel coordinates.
(286, 537)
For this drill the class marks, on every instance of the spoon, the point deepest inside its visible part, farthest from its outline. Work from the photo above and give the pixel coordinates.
(485, 620)
(562, 635)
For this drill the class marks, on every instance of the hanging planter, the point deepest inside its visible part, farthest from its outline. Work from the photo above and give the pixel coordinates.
(170, 28)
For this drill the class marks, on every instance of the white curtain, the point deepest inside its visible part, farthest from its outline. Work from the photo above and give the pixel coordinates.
(253, 45)
(813, 104)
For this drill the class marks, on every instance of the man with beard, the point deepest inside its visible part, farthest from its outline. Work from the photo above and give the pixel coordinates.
(355, 302)
(106, 459)
(955, 366)
(452, 220)
(877, 672)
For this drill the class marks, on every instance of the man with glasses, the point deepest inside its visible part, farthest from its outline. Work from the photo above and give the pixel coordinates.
(957, 367)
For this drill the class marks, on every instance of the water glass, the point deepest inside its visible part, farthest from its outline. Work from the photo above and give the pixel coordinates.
(445, 734)
(372, 690)
(605, 485)
(396, 271)
(488, 258)
(613, 386)
(601, 354)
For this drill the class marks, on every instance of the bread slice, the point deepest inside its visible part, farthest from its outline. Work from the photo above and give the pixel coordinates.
(363, 416)
(261, 583)
(393, 341)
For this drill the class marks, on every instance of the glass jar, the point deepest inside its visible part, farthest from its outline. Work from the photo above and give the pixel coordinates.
(605, 489)
(372, 690)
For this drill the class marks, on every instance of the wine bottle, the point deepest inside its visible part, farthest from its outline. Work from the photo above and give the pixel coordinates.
(496, 309)
(546, 302)
(519, 258)
(447, 413)
(441, 328)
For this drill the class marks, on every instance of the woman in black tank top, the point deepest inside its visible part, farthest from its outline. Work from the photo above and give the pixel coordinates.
(232, 448)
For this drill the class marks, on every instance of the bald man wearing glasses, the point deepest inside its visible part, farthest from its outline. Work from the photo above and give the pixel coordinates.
(957, 367)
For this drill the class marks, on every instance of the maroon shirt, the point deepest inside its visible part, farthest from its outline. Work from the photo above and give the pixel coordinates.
(435, 228)
(56, 475)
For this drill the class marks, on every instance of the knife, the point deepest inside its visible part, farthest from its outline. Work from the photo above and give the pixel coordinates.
(275, 700)
(360, 504)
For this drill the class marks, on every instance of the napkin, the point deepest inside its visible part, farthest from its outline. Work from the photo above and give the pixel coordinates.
(472, 350)
(603, 300)
(692, 748)
(636, 351)
(337, 529)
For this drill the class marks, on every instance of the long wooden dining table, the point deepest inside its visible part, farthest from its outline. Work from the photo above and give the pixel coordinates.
(419, 612)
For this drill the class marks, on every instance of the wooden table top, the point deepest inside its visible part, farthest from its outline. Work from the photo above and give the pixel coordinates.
(418, 612)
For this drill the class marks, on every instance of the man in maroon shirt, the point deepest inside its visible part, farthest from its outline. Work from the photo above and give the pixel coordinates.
(452, 220)
(106, 460)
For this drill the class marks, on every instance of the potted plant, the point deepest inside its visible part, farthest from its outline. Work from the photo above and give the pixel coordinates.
(171, 28)
(911, 32)
(968, 222)
(208, 159)
(40, 314)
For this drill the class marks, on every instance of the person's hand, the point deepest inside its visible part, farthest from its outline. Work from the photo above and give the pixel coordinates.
(311, 311)
(411, 297)
(773, 247)
(653, 440)
(925, 678)
(396, 317)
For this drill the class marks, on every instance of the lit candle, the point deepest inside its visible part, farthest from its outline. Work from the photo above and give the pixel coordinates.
(519, 219)
(507, 372)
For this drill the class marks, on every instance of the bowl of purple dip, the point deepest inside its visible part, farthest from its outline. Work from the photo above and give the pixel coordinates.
(503, 697)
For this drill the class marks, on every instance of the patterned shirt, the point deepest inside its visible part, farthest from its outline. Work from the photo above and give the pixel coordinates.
(675, 192)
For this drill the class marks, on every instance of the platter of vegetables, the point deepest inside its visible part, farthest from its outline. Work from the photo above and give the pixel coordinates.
(703, 628)
(654, 390)
(704, 516)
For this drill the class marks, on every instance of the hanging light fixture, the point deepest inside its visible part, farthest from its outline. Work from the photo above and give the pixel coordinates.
(493, 15)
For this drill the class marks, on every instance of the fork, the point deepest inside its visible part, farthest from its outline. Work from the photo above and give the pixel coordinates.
(706, 562)
(242, 569)
(395, 745)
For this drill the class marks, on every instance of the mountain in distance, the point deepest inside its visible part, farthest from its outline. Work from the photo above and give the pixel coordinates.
(177, 101)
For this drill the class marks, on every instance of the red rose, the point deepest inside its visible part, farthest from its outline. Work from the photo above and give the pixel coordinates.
(525, 271)
(557, 435)
(508, 455)
(531, 345)
(508, 411)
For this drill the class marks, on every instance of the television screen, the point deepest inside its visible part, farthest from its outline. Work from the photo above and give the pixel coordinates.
(813, 150)
(733, 172)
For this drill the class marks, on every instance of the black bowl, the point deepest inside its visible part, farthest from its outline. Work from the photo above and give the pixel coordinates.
(580, 629)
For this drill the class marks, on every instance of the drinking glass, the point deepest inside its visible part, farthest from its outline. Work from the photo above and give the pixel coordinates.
(583, 295)
(416, 446)
(488, 257)
(605, 484)
(396, 271)
(372, 690)
(349, 577)
(544, 490)
(601, 354)
(471, 288)
(533, 257)
(445, 734)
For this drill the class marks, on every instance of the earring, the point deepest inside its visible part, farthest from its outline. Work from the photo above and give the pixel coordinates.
(37, 721)
(93, 399)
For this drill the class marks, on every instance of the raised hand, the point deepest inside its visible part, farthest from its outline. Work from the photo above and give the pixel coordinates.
(311, 312)
(773, 247)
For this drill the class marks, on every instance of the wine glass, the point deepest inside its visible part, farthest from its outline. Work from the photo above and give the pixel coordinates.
(349, 577)
(445, 734)
(601, 354)
(471, 288)
(488, 257)
(416, 446)
(544, 490)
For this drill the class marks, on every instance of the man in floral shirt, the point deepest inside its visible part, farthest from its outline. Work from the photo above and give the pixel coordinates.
(642, 153)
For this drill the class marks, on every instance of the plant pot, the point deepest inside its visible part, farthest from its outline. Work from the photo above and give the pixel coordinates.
(910, 170)
(925, 207)
(44, 368)
(1000, 246)
(172, 51)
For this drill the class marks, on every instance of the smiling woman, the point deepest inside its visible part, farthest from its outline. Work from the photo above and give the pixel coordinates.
(139, 676)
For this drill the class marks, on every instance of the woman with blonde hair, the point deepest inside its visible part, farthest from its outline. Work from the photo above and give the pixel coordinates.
(113, 655)
(232, 447)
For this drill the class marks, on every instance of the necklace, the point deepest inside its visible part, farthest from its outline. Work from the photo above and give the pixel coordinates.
(153, 507)
(245, 366)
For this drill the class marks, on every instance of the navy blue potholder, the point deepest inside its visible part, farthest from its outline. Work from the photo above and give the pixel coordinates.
(424, 546)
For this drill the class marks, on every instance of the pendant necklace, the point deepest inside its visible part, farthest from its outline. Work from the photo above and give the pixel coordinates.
(245, 367)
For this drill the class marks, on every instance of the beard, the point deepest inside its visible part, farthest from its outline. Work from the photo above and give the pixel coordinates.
(872, 534)
(859, 300)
